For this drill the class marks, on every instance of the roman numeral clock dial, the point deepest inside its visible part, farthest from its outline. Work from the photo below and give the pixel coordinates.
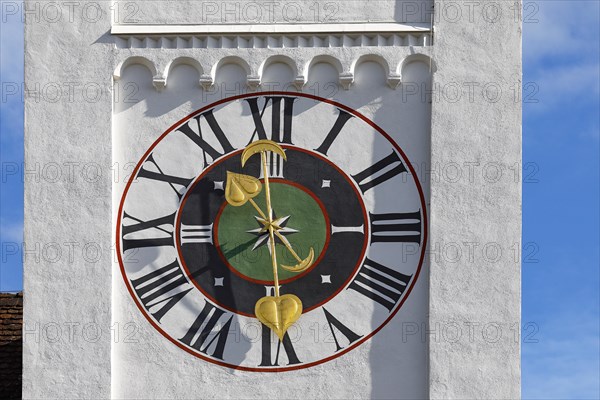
(262, 219)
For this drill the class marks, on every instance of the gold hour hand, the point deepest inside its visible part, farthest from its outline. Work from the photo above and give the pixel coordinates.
(241, 189)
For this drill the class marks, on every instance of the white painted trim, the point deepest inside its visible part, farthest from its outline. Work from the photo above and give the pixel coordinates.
(359, 28)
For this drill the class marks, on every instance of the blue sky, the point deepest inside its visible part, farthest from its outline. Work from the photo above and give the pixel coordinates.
(561, 194)
(561, 210)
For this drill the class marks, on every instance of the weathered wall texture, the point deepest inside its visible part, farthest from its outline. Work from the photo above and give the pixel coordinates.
(67, 285)
(478, 291)
(266, 11)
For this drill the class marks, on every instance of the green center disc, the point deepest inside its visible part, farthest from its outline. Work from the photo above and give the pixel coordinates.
(306, 227)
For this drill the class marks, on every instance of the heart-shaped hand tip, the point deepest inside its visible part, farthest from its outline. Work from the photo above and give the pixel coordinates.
(278, 313)
(240, 188)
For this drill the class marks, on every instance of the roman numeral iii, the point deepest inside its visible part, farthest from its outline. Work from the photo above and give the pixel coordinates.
(396, 227)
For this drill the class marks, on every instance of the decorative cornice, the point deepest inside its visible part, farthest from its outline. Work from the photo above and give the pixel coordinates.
(257, 29)
(273, 41)
(300, 67)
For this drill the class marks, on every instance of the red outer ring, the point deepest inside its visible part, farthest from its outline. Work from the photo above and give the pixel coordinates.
(258, 281)
(309, 96)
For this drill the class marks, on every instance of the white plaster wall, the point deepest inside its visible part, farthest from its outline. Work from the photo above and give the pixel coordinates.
(476, 133)
(73, 292)
(67, 273)
(265, 11)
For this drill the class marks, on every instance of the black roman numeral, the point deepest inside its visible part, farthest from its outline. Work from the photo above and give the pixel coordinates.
(341, 120)
(267, 358)
(154, 240)
(380, 283)
(197, 138)
(153, 287)
(220, 336)
(276, 113)
(344, 330)
(396, 227)
(160, 176)
(367, 179)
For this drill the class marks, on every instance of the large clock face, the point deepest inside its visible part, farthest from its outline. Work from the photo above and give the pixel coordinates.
(196, 266)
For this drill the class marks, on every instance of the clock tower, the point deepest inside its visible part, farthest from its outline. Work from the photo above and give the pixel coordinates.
(274, 200)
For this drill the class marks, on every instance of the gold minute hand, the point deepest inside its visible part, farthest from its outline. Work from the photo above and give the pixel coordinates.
(279, 312)
(263, 156)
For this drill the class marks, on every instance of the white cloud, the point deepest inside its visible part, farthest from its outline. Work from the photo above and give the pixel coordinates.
(564, 363)
(564, 85)
(11, 50)
(560, 54)
(11, 231)
(565, 29)
(11, 72)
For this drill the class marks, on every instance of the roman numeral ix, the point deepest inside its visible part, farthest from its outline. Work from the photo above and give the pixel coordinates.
(152, 233)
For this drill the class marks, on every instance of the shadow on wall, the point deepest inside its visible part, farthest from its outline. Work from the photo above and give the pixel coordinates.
(397, 374)
(403, 372)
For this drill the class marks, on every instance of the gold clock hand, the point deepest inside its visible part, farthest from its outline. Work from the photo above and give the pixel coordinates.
(278, 312)
(288, 246)
(241, 188)
(258, 210)
(263, 156)
(302, 264)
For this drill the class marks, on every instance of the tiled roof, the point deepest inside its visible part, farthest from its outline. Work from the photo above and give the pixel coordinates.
(11, 346)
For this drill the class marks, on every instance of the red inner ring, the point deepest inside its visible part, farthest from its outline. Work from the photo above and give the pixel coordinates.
(283, 281)
(308, 309)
